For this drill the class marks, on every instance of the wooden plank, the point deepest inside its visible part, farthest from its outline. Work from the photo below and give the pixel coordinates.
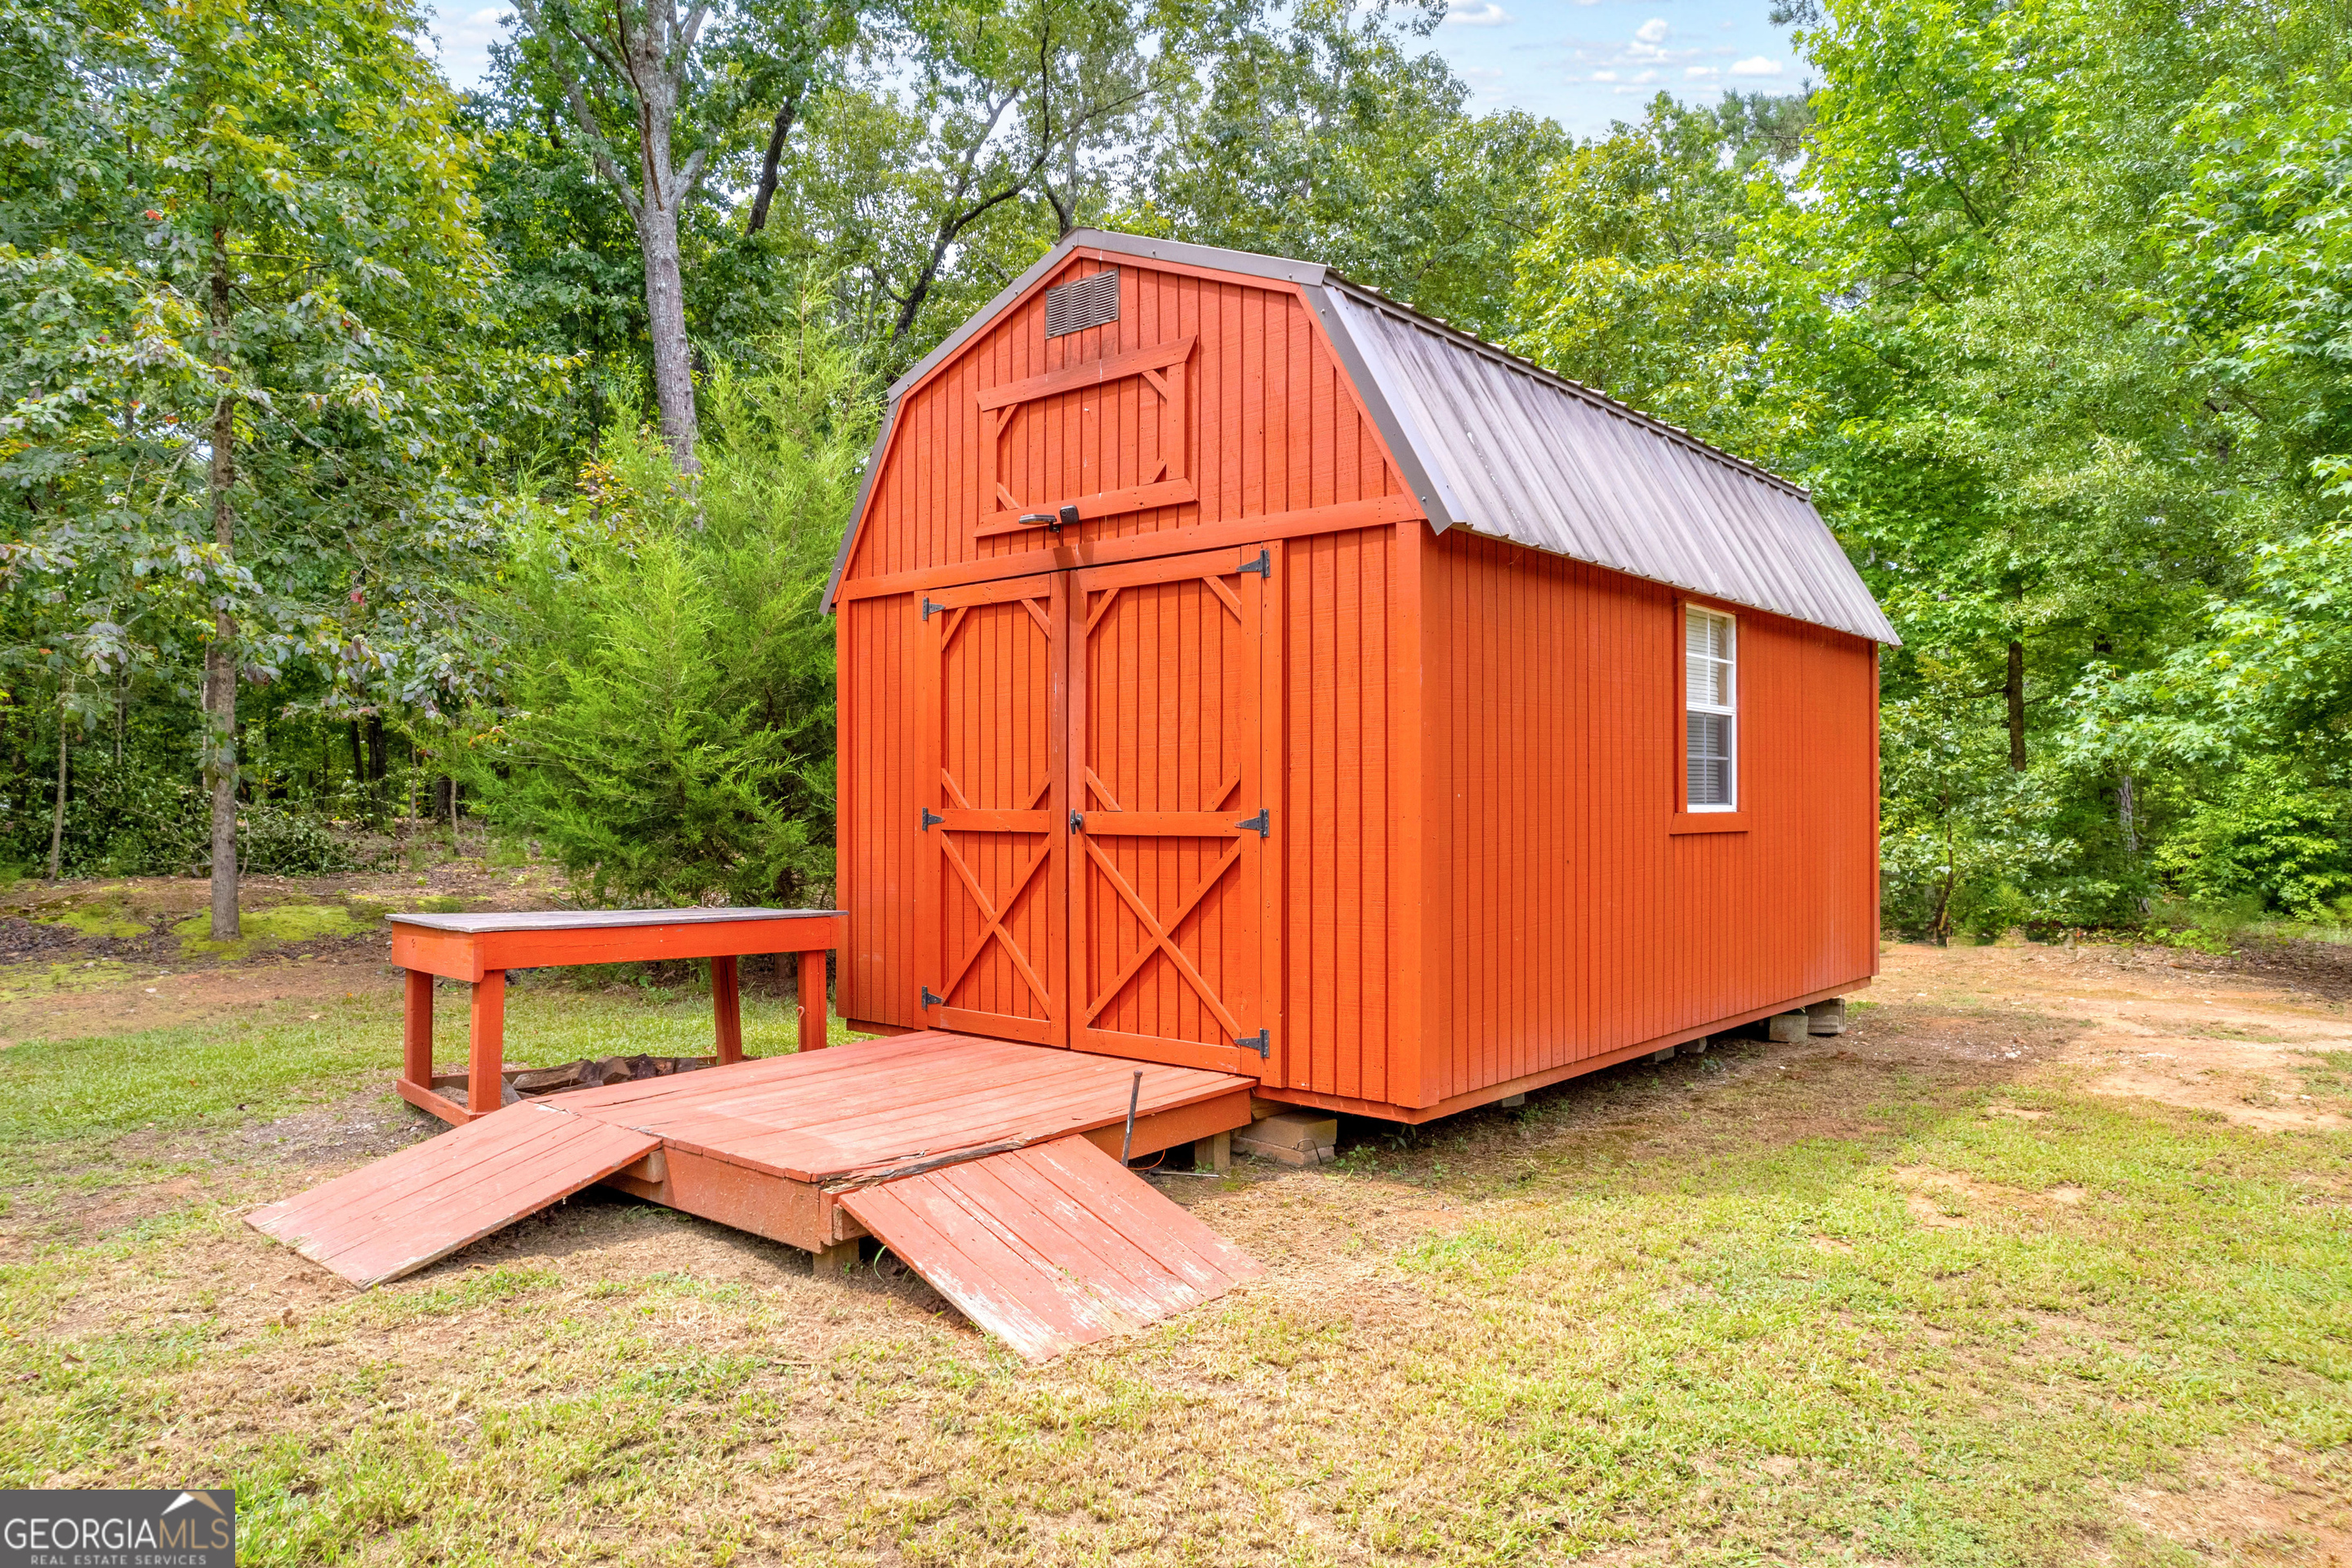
(726, 1010)
(601, 920)
(485, 1086)
(813, 1011)
(468, 954)
(417, 1207)
(1091, 373)
(1101, 504)
(416, 1029)
(1051, 1247)
(1374, 512)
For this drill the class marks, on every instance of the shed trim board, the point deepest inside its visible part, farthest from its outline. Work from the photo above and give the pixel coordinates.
(1470, 835)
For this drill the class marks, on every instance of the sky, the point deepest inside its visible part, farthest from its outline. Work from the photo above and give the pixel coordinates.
(1582, 62)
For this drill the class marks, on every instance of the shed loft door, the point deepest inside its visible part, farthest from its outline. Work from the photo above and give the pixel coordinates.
(993, 884)
(1172, 945)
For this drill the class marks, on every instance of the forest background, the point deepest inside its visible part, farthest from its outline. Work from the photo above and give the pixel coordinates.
(374, 452)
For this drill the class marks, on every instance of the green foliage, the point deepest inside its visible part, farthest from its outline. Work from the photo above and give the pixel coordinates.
(667, 732)
(2268, 833)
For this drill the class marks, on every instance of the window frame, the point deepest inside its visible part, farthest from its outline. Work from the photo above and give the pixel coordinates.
(1729, 808)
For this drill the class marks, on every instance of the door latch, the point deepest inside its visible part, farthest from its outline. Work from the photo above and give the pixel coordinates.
(1261, 1043)
(1263, 822)
(929, 817)
(930, 1001)
(1078, 823)
(1263, 565)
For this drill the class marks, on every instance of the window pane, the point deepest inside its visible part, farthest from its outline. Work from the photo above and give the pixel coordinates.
(1707, 682)
(1708, 746)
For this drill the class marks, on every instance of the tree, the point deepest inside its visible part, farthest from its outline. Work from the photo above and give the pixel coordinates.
(687, 94)
(1321, 133)
(238, 380)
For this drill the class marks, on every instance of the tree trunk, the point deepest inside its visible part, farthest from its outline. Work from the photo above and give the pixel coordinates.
(2127, 814)
(379, 765)
(220, 653)
(358, 759)
(666, 321)
(58, 812)
(2014, 689)
(766, 190)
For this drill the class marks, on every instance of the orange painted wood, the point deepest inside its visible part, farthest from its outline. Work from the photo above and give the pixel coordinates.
(1169, 952)
(1104, 503)
(727, 1009)
(417, 1207)
(755, 1144)
(1090, 374)
(1051, 1247)
(416, 1029)
(468, 956)
(1103, 551)
(990, 822)
(1591, 914)
(814, 1013)
(1481, 873)
(1707, 822)
(487, 1043)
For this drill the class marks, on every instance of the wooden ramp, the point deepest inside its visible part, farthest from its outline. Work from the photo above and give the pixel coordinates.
(1051, 1247)
(980, 1162)
(417, 1207)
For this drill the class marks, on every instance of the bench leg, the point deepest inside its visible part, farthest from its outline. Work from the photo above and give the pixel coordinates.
(727, 1009)
(813, 1001)
(416, 1031)
(485, 1087)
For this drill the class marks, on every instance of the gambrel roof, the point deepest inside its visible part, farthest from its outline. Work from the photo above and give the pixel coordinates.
(1501, 446)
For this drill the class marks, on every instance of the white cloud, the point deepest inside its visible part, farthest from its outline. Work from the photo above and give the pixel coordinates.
(1698, 73)
(1756, 65)
(1477, 13)
(1604, 76)
(1651, 32)
(462, 40)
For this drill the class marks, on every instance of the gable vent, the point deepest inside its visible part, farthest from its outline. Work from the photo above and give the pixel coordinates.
(1088, 303)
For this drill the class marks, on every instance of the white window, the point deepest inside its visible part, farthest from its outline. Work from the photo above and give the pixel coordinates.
(1710, 702)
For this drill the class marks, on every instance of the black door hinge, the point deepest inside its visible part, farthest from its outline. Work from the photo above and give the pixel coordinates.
(931, 817)
(930, 609)
(1263, 822)
(1263, 565)
(930, 1001)
(1261, 1043)
(1078, 823)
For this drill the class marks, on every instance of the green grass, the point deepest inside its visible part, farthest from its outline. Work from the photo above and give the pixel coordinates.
(1838, 1315)
(67, 1097)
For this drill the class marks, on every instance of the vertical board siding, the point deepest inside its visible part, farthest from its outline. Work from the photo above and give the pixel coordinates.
(1570, 922)
(1268, 424)
(877, 802)
(1338, 816)
(1524, 709)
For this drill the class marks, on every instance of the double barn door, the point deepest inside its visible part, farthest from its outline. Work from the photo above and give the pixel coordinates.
(1098, 861)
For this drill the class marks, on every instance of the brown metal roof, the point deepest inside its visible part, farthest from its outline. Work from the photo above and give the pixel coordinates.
(1499, 446)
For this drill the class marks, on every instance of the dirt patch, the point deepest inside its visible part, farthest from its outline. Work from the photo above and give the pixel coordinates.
(140, 997)
(2317, 969)
(2178, 1028)
(2286, 1510)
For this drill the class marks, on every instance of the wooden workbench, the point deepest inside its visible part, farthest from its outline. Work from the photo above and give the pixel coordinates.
(480, 949)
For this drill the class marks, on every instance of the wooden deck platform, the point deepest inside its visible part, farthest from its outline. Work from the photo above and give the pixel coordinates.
(774, 1146)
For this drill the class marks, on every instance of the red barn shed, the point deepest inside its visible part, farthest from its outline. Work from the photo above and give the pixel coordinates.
(1240, 670)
